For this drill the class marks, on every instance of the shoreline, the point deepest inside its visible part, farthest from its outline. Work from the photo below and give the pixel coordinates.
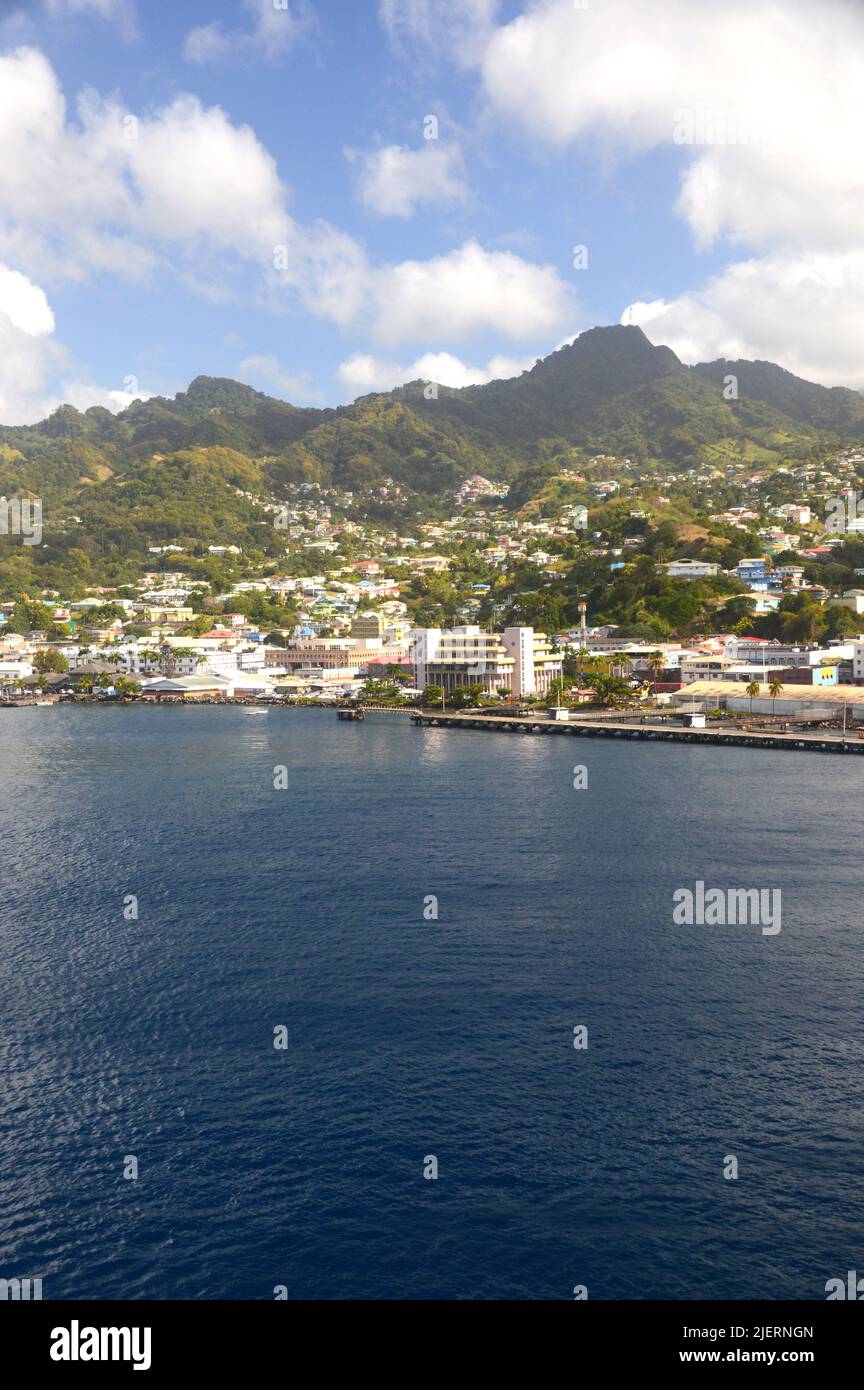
(590, 725)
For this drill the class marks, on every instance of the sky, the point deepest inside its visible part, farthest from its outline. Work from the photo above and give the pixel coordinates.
(323, 198)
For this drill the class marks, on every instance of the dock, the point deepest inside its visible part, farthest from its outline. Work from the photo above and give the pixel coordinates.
(820, 742)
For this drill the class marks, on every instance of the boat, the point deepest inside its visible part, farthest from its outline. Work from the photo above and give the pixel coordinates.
(254, 709)
(46, 702)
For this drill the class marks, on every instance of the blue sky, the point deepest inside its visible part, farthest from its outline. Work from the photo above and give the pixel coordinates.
(247, 190)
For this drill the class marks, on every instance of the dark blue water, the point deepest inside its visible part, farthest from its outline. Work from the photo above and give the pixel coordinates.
(406, 1037)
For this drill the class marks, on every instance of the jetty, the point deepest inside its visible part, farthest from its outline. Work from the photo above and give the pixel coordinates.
(667, 732)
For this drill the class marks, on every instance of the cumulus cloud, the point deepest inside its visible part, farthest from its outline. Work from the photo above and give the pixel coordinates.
(804, 312)
(24, 304)
(31, 359)
(28, 354)
(26, 366)
(114, 191)
(470, 290)
(773, 151)
(181, 190)
(362, 373)
(272, 33)
(396, 182)
(83, 396)
(772, 157)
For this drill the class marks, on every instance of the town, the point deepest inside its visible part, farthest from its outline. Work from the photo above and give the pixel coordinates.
(733, 589)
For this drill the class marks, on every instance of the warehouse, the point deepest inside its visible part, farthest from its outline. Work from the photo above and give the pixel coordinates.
(790, 702)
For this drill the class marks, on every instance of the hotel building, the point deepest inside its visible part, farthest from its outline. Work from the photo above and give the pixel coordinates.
(519, 661)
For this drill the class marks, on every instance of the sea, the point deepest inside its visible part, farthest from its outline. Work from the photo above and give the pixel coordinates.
(294, 1008)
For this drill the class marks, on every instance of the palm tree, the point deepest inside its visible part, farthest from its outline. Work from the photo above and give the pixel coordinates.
(774, 689)
(753, 690)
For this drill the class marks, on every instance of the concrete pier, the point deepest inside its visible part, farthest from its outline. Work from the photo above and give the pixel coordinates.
(659, 733)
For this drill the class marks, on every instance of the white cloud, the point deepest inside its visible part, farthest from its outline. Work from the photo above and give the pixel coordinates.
(114, 191)
(83, 396)
(24, 304)
(183, 191)
(772, 155)
(459, 29)
(395, 181)
(26, 366)
(32, 361)
(804, 312)
(274, 31)
(773, 148)
(28, 354)
(273, 376)
(362, 373)
(468, 291)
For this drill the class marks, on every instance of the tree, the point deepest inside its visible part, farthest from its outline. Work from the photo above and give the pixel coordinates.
(558, 690)
(126, 687)
(774, 689)
(379, 691)
(465, 696)
(46, 661)
(433, 695)
(198, 626)
(29, 617)
(609, 690)
(753, 690)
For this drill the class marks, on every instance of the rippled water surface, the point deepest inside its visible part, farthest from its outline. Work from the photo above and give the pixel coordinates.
(303, 907)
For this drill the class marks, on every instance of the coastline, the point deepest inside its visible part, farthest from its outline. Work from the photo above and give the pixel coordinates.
(589, 725)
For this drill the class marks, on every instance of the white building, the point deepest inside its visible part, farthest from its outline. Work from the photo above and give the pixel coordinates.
(519, 661)
(691, 569)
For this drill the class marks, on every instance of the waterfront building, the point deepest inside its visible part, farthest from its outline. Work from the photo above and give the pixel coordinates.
(535, 666)
(519, 661)
(791, 701)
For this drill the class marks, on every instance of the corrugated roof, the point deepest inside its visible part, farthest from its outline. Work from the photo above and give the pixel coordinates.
(816, 694)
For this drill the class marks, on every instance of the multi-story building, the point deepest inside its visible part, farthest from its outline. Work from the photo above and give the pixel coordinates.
(535, 666)
(519, 661)
(777, 654)
(367, 625)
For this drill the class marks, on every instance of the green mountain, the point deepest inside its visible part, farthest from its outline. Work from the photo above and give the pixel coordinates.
(182, 470)
(824, 408)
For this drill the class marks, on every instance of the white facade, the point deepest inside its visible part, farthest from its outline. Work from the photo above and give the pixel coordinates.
(691, 569)
(519, 660)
